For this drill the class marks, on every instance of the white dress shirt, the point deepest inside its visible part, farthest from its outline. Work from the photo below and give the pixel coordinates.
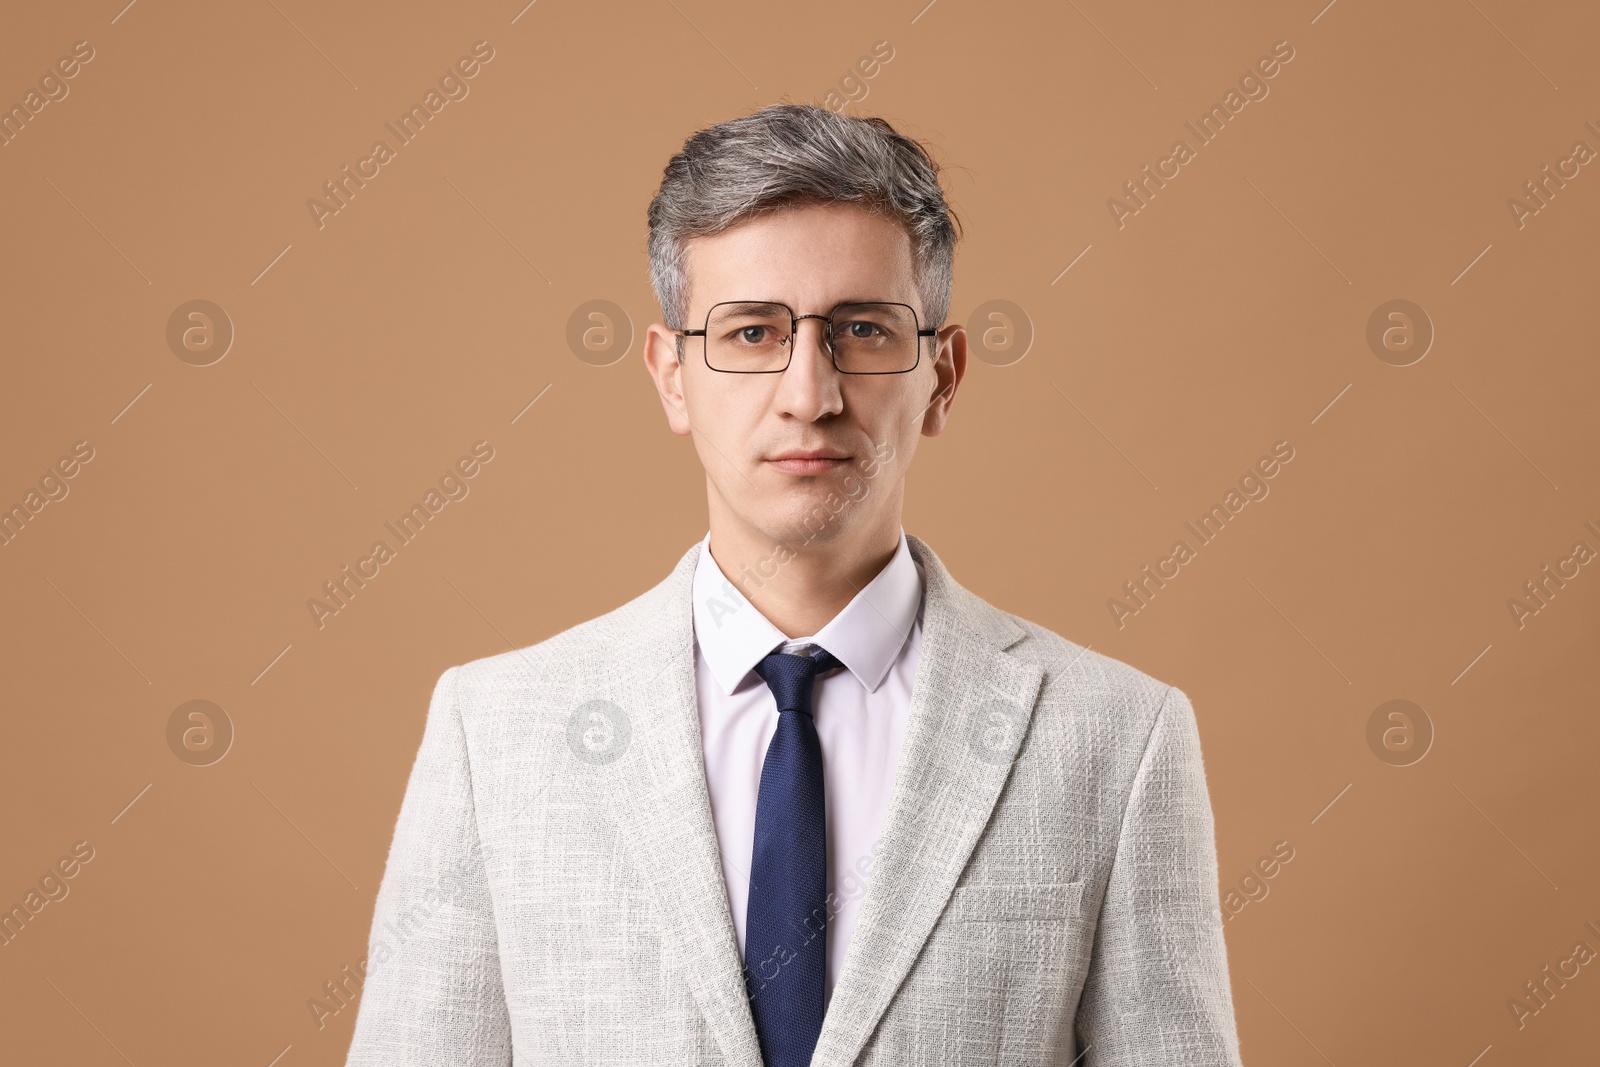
(860, 712)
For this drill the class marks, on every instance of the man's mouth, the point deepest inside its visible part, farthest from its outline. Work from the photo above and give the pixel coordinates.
(809, 461)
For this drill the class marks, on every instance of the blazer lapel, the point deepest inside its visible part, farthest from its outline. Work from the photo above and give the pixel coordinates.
(664, 805)
(970, 705)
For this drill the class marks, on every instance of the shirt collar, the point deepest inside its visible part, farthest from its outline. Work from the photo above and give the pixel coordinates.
(866, 636)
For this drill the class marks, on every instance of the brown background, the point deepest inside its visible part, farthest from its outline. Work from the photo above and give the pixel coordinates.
(1229, 314)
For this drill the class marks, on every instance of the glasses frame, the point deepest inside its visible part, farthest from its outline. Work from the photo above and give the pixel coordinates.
(794, 331)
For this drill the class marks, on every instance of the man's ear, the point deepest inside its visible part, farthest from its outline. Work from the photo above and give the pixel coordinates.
(950, 366)
(661, 360)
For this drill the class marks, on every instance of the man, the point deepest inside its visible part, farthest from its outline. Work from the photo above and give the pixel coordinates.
(808, 800)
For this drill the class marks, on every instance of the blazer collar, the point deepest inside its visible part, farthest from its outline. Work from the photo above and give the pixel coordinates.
(970, 706)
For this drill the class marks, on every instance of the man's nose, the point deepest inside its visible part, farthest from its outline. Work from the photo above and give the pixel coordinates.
(811, 340)
(810, 385)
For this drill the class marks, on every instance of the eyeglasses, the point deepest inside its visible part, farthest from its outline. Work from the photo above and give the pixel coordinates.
(756, 337)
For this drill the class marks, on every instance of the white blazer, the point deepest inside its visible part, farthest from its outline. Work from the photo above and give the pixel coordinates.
(1045, 886)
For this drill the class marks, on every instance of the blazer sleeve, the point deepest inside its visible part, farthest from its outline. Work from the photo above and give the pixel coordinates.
(1157, 987)
(432, 992)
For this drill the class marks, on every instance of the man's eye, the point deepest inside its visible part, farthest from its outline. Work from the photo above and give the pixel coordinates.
(753, 335)
(860, 330)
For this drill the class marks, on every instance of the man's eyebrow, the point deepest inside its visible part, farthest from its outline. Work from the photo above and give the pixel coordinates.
(753, 305)
(763, 305)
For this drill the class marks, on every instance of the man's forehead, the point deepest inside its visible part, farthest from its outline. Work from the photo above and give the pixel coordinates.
(802, 256)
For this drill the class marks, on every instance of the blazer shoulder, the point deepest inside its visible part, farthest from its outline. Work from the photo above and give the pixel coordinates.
(1078, 671)
(1112, 709)
(559, 653)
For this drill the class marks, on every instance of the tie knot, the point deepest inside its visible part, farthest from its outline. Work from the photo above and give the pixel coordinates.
(790, 676)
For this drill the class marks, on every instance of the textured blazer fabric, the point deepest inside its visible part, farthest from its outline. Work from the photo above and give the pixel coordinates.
(1044, 889)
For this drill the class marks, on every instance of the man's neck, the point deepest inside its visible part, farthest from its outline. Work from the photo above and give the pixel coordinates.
(800, 586)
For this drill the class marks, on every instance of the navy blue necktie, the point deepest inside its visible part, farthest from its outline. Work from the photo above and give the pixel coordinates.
(786, 920)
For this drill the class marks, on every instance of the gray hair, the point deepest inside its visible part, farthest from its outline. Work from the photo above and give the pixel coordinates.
(787, 155)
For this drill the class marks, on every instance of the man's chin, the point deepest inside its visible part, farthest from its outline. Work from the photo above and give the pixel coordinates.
(812, 521)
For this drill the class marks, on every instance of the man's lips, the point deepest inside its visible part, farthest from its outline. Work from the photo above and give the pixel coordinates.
(808, 461)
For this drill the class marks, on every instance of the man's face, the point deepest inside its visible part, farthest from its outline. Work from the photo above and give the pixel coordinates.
(811, 258)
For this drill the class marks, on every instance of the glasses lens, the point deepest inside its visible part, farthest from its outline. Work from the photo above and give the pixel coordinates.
(874, 338)
(748, 337)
